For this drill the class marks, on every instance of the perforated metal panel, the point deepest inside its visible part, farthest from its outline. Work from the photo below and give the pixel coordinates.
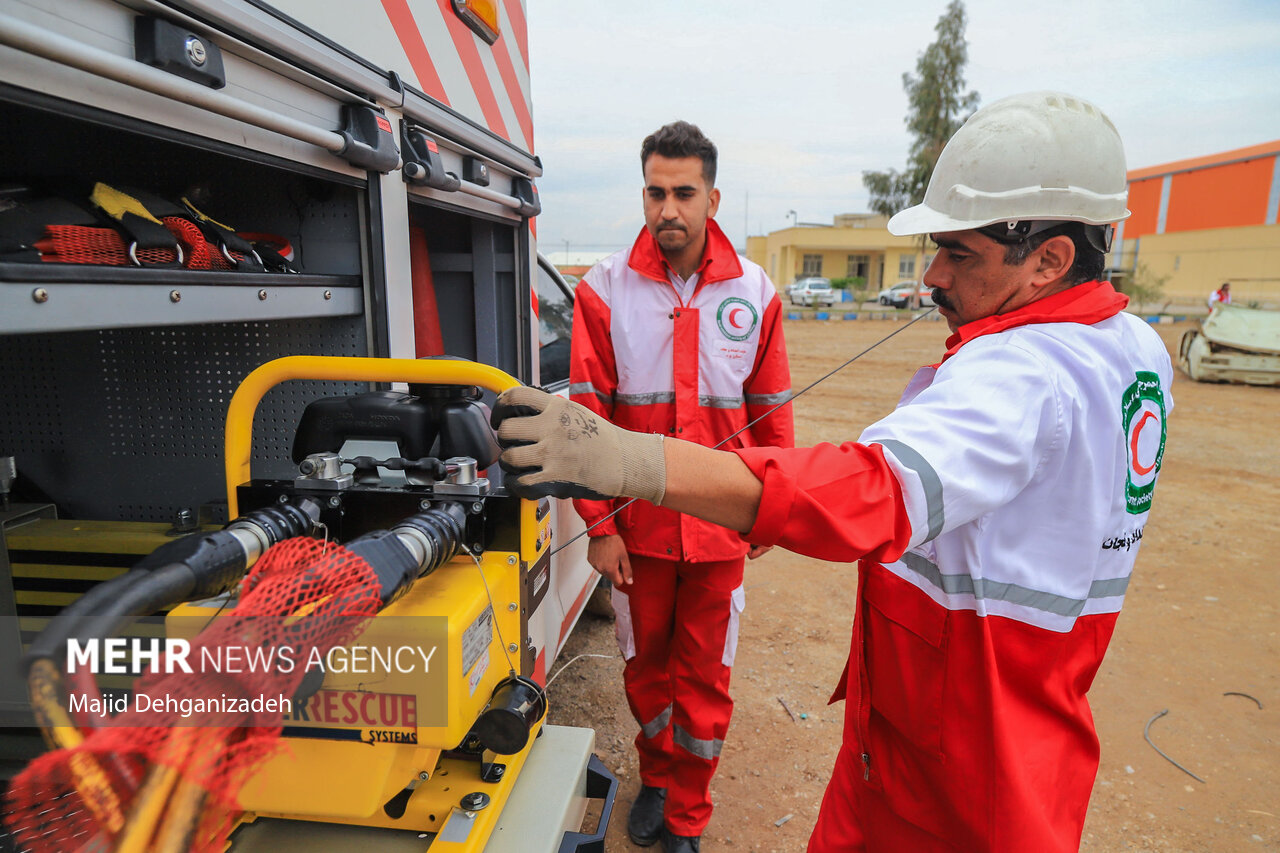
(127, 424)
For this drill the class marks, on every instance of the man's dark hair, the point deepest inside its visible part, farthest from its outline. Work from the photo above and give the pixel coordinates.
(1088, 264)
(681, 139)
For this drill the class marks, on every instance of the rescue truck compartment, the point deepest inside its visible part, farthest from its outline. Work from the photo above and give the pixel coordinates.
(119, 375)
(403, 230)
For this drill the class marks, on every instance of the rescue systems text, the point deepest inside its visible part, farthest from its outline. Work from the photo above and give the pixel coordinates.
(122, 656)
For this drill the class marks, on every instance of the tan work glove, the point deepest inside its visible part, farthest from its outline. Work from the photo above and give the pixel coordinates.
(554, 447)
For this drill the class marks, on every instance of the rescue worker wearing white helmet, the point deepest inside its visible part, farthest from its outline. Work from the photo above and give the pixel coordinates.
(995, 514)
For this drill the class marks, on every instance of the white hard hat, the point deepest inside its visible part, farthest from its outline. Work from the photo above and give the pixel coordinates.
(1036, 156)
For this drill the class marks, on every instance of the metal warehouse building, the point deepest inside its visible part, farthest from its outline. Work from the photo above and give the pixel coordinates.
(1205, 221)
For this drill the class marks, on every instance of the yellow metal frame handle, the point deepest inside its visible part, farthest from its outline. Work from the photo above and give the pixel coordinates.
(244, 403)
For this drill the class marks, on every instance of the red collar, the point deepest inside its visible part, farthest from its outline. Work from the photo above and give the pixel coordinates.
(1088, 303)
(719, 260)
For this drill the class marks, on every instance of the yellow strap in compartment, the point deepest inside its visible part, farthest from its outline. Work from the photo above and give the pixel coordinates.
(117, 204)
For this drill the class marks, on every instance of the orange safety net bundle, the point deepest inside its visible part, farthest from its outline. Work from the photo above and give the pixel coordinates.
(80, 244)
(200, 253)
(301, 600)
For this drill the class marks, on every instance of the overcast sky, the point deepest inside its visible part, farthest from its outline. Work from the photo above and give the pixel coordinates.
(801, 97)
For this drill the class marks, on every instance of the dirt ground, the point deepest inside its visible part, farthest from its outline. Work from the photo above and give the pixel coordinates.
(1200, 621)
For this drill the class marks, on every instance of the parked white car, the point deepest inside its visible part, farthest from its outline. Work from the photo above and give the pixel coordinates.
(812, 291)
(899, 295)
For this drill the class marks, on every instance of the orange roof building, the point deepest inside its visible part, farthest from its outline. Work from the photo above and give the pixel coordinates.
(1206, 220)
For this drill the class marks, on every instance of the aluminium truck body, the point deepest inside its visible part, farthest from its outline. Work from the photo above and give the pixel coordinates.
(386, 151)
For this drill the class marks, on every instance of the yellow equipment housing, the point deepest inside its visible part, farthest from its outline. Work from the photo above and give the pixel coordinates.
(374, 749)
(358, 743)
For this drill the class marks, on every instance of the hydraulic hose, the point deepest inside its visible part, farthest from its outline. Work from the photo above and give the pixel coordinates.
(165, 807)
(413, 548)
(196, 566)
(66, 621)
(163, 587)
(201, 565)
(46, 691)
(186, 805)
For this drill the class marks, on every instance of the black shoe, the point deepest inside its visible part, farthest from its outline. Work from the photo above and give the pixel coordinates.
(644, 823)
(680, 843)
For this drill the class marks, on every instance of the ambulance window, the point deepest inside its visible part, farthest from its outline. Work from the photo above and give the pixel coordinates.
(555, 324)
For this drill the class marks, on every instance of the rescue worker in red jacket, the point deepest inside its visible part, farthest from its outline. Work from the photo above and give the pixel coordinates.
(1221, 296)
(677, 336)
(996, 513)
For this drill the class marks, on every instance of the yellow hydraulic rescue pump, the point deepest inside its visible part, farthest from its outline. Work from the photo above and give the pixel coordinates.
(409, 731)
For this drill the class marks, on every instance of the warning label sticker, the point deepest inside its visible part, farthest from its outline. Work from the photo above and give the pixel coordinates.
(476, 639)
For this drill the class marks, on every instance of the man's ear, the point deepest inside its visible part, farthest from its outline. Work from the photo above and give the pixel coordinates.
(714, 198)
(1053, 260)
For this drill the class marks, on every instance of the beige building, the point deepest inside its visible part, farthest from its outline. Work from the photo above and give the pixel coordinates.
(857, 244)
(1195, 224)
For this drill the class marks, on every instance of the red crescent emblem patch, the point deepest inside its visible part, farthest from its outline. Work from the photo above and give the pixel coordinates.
(1138, 467)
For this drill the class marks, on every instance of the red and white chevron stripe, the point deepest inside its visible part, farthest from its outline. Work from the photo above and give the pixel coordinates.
(431, 49)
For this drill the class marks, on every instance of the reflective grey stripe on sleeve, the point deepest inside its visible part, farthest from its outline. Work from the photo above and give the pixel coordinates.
(1109, 588)
(720, 402)
(654, 727)
(645, 399)
(707, 749)
(768, 399)
(929, 479)
(588, 388)
(988, 590)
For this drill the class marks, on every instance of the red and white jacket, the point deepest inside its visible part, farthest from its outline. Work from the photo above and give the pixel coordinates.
(698, 370)
(997, 513)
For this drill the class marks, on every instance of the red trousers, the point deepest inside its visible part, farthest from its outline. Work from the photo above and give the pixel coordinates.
(677, 626)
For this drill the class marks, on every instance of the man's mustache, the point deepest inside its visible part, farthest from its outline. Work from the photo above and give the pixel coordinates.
(940, 299)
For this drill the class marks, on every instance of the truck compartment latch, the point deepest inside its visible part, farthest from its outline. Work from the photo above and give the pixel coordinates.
(370, 142)
(423, 166)
(524, 190)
